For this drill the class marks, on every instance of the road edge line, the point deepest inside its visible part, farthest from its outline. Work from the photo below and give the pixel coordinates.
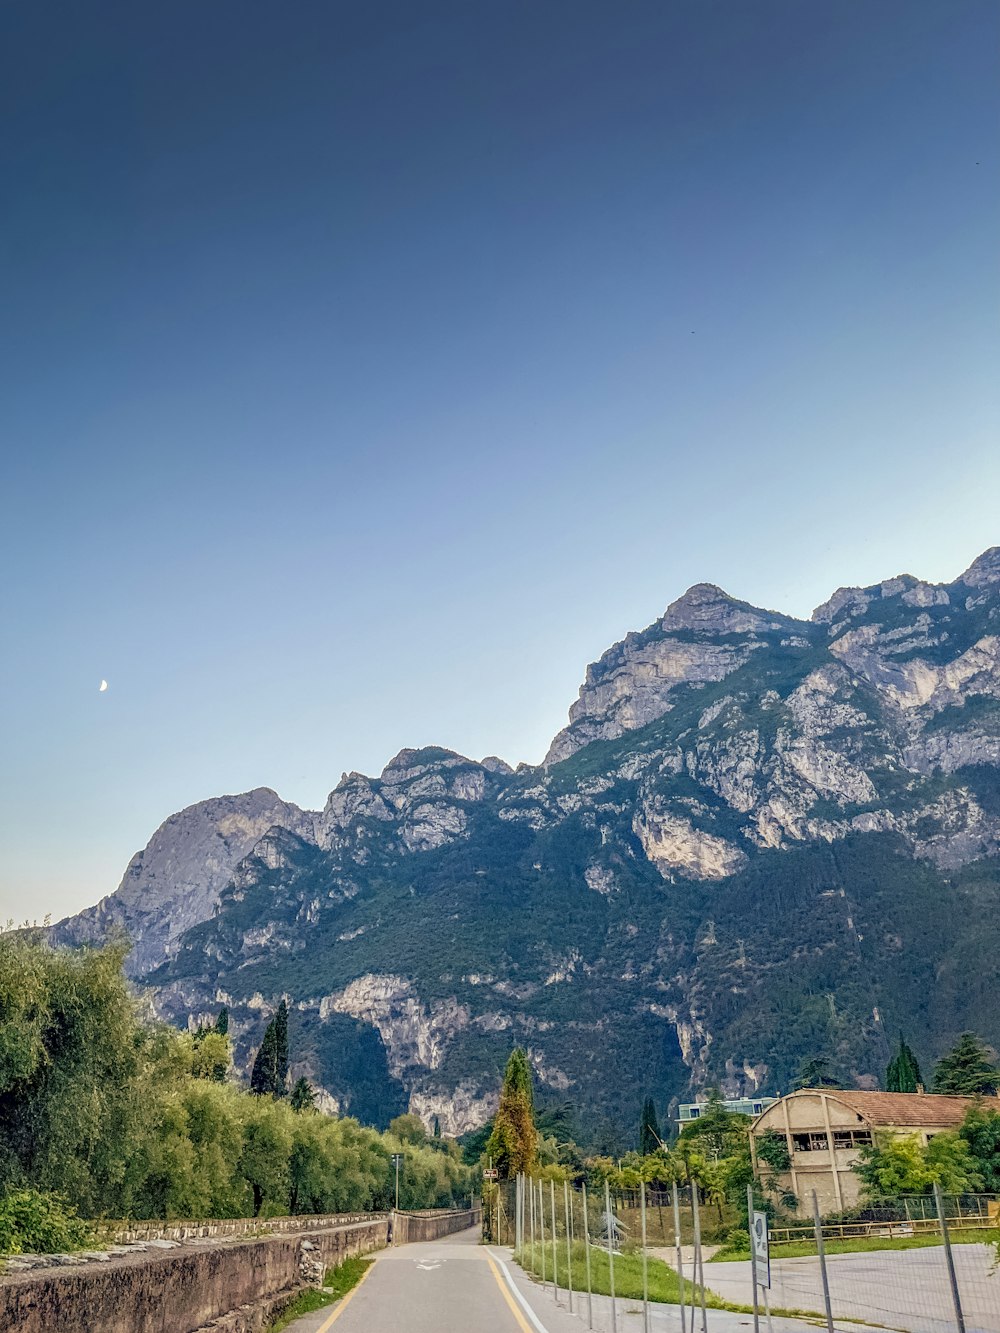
(540, 1327)
(345, 1301)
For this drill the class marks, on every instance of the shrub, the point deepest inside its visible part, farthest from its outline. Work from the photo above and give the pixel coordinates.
(32, 1222)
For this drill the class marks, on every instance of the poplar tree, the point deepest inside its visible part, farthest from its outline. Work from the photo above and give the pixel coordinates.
(513, 1145)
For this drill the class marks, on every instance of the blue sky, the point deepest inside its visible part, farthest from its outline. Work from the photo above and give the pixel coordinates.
(368, 370)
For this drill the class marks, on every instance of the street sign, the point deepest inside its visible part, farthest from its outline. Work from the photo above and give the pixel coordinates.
(491, 1173)
(761, 1253)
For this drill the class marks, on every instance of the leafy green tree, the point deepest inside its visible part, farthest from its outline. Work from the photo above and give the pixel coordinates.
(981, 1131)
(222, 1022)
(269, 1076)
(814, 1072)
(966, 1070)
(513, 1144)
(717, 1132)
(303, 1097)
(649, 1129)
(210, 1056)
(409, 1128)
(897, 1164)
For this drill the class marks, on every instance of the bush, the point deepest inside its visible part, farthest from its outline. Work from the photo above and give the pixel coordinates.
(32, 1222)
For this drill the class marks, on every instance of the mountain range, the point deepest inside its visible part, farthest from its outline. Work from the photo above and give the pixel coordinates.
(758, 838)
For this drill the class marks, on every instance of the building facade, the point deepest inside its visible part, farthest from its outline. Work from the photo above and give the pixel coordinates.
(751, 1106)
(824, 1130)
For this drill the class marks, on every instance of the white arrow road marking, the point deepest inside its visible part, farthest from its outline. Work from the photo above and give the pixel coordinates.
(436, 1263)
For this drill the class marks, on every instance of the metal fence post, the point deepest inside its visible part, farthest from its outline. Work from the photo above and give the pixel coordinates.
(541, 1224)
(586, 1251)
(568, 1252)
(610, 1226)
(699, 1262)
(753, 1259)
(949, 1257)
(680, 1252)
(555, 1251)
(822, 1263)
(645, 1259)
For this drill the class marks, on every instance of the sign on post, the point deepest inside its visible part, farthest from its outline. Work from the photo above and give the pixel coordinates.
(491, 1173)
(397, 1159)
(761, 1253)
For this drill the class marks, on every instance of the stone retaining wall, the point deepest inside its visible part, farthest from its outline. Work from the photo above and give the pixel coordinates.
(226, 1286)
(178, 1290)
(124, 1233)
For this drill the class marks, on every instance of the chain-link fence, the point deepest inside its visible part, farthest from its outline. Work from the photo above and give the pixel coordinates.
(641, 1260)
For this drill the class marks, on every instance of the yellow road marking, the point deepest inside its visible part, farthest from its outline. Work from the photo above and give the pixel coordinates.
(345, 1301)
(522, 1323)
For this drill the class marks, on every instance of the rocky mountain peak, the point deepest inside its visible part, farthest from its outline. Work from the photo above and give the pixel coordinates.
(983, 571)
(708, 609)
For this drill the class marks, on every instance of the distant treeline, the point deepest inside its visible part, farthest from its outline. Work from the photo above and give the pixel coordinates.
(123, 1117)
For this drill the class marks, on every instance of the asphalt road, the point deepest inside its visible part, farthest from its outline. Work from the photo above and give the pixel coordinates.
(450, 1286)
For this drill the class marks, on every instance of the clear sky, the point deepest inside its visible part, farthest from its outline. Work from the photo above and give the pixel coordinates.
(369, 369)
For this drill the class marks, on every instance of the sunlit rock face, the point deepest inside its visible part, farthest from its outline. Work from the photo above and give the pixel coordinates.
(752, 830)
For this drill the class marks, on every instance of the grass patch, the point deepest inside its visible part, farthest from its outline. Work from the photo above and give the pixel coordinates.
(305, 1303)
(337, 1283)
(803, 1249)
(341, 1279)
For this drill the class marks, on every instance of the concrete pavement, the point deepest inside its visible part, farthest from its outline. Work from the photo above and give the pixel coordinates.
(460, 1286)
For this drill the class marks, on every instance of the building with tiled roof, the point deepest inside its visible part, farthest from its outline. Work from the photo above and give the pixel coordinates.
(825, 1129)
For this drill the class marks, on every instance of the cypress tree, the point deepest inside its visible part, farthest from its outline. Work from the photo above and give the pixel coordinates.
(281, 1050)
(903, 1072)
(649, 1129)
(303, 1098)
(437, 1128)
(269, 1076)
(222, 1022)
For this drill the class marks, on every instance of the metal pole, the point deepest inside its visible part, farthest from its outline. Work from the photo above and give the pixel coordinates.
(949, 1257)
(699, 1259)
(531, 1216)
(645, 1259)
(397, 1182)
(586, 1251)
(753, 1259)
(569, 1253)
(822, 1264)
(555, 1252)
(610, 1225)
(680, 1255)
(541, 1224)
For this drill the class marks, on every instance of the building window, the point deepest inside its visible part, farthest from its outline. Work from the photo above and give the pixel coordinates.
(695, 1112)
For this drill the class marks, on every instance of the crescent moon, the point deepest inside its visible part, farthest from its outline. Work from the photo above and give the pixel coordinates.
(103, 686)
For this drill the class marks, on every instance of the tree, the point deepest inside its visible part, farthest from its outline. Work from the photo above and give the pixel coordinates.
(903, 1072)
(649, 1129)
(303, 1097)
(513, 1145)
(900, 1164)
(269, 1076)
(981, 1131)
(966, 1070)
(222, 1022)
(409, 1128)
(814, 1072)
(717, 1132)
(437, 1128)
(210, 1056)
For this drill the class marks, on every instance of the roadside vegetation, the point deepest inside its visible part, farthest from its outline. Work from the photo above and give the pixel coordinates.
(105, 1114)
(337, 1283)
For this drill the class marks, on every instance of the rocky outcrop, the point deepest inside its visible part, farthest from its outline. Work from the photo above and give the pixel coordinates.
(176, 881)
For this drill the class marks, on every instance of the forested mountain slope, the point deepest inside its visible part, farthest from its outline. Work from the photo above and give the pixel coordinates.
(757, 838)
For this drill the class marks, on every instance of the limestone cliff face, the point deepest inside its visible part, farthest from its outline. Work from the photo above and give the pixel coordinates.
(175, 881)
(780, 820)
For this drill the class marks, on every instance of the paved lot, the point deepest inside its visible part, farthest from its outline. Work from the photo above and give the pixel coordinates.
(902, 1289)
